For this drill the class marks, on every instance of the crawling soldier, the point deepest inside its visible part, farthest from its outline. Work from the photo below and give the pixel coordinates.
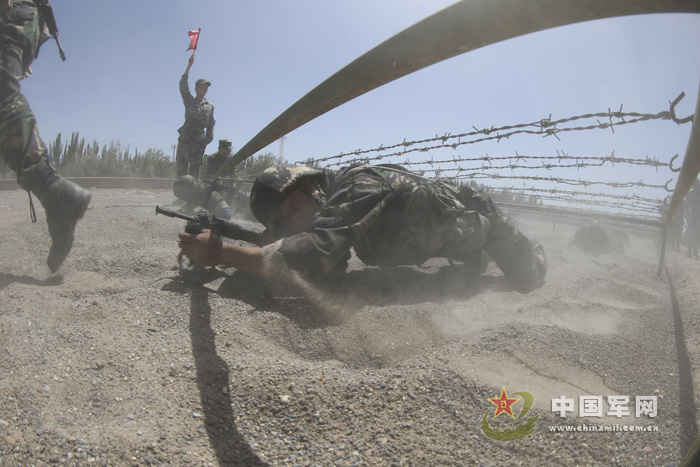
(387, 214)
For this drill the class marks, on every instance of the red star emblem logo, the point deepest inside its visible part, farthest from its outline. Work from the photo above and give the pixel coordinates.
(504, 403)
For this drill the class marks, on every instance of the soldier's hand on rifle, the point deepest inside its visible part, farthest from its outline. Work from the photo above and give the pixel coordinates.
(204, 249)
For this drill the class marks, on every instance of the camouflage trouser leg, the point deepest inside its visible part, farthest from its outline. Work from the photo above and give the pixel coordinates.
(217, 205)
(521, 260)
(196, 161)
(19, 136)
(20, 144)
(189, 158)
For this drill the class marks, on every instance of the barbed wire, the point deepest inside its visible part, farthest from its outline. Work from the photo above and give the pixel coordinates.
(460, 168)
(579, 161)
(633, 199)
(649, 211)
(545, 127)
(564, 181)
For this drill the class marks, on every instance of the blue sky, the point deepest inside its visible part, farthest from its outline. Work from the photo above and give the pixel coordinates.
(125, 58)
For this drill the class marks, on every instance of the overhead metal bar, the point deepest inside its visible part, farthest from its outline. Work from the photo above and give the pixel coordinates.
(459, 28)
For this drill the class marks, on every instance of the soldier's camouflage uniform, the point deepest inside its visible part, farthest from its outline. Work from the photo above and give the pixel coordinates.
(393, 217)
(196, 133)
(207, 194)
(214, 163)
(22, 32)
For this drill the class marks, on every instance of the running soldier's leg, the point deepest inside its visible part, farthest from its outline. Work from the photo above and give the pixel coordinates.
(20, 145)
(521, 260)
(19, 42)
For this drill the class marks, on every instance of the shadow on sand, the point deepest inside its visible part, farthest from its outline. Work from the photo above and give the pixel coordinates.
(212, 371)
(7, 279)
(212, 377)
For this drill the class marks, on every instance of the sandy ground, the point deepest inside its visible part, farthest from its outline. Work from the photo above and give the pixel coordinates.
(122, 360)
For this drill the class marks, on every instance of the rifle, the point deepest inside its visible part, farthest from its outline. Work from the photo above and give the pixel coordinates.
(46, 12)
(218, 227)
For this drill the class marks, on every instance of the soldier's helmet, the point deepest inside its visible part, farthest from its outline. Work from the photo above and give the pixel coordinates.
(270, 187)
(186, 188)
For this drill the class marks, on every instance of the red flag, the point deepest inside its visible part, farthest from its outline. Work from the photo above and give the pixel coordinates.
(194, 37)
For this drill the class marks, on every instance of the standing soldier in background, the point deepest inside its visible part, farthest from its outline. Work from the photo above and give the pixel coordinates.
(198, 130)
(24, 26)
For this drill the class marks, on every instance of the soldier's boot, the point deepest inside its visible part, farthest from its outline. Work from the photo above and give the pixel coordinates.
(64, 202)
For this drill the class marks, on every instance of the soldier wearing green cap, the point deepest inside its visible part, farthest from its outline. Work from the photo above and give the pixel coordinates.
(386, 214)
(198, 130)
(215, 161)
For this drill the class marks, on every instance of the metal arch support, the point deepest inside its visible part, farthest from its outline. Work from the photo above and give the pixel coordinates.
(688, 174)
(465, 26)
(690, 167)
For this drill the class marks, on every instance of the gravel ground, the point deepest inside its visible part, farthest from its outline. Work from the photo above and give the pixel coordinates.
(120, 359)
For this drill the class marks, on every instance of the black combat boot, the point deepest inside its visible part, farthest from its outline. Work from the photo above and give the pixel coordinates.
(64, 201)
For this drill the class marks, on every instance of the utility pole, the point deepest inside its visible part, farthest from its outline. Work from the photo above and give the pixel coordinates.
(281, 151)
(174, 147)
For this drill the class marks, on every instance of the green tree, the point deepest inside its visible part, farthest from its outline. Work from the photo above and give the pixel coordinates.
(154, 163)
(255, 165)
(56, 151)
(311, 162)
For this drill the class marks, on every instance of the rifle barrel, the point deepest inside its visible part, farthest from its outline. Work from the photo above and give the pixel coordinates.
(60, 49)
(169, 213)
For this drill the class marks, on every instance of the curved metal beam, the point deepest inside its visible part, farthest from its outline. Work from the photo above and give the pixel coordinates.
(459, 28)
(690, 168)
(688, 174)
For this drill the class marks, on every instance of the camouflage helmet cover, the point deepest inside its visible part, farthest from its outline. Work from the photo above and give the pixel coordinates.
(269, 189)
(186, 188)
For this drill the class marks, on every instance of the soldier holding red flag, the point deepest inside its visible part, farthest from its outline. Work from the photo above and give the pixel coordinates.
(198, 130)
